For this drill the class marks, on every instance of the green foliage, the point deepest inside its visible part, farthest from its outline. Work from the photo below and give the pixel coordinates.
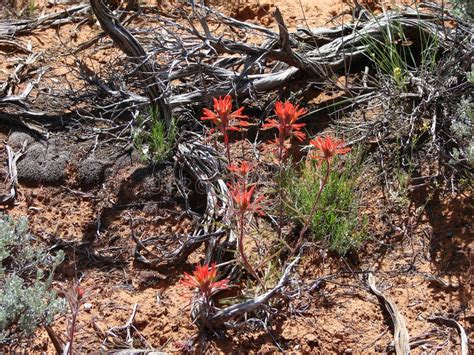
(462, 128)
(26, 271)
(155, 143)
(394, 57)
(337, 218)
(463, 8)
(31, 7)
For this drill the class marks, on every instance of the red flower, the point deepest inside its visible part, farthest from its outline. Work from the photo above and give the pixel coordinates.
(223, 118)
(328, 148)
(241, 170)
(204, 278)
(242, 197)
(287, 115)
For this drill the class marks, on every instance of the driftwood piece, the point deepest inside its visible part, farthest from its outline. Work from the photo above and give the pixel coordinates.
(198, 168)
(401, 337)
(12, 174)
(15, 28)
(196, 65)
(240, 309)
(456, 325)
(134, 50)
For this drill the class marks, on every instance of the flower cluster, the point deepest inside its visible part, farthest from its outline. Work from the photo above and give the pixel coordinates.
(204, 278)
(242, 191)
(242, 170)
(224, 119)
(327, 148)
(287, 114)
(242, 196)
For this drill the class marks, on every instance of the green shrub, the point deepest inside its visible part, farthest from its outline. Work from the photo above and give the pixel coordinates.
(463, 8)
(26, 299)
(462, 129)
(337, 219)
(152, 139)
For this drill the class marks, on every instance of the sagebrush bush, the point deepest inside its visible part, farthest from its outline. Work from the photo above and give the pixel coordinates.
(462, 129)
(26, 299)
(337, 218)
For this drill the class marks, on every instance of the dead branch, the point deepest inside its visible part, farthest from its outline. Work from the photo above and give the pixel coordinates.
(401, 337)
(12, 173)
(73, 14)
(456, 325)
(134, 50)
(127, 327)
(240, 309)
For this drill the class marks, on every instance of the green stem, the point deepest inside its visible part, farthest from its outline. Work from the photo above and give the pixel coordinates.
(241, 250)
(315, 206)
(280, 192)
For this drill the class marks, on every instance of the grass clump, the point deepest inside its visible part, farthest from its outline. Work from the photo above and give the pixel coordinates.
(26, 271)
(395, 57)
(153, 139)
(337, 218)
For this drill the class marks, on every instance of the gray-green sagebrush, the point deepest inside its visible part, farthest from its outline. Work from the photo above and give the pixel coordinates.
(26, 271)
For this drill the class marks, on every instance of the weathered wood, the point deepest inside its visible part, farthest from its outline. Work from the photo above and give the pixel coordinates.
(134, 50)
(401, 337)
(456, 325)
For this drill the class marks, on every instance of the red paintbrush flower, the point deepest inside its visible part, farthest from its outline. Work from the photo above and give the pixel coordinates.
(223, 118)
(287, 115)
(204, 278)
(242, 197)
(241, 170)
(328, 148)
(80, 292)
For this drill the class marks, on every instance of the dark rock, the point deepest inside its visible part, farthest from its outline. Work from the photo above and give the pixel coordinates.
(43, 163)
(91, 171)
(18, 137)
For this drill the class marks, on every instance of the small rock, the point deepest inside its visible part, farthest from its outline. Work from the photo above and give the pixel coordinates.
(91, 171)
(87, 306)
(43, 163)
(18, 137)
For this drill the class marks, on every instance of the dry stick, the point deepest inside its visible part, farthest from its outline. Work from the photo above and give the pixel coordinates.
(401, 337)
(12, 173)
(134, 50)
(454, 324)
(127, 326)
(240, 309)
(10, 29)
(58, 343)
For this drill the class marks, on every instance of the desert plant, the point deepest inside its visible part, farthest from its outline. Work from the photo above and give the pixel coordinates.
(325, 200)
(394, 56)
(463, 8)
(245, 205)
(462, 129)
(154, 141)
(75, 297)
(287, 115)
(224, 120)
(26, 272)
(204, 280)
